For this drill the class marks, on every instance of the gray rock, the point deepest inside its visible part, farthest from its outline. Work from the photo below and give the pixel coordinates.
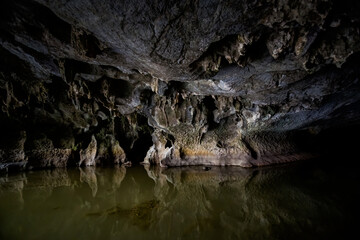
(238, 83)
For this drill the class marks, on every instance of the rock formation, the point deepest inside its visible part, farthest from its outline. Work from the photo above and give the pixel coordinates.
(88, 155)
(171, 83)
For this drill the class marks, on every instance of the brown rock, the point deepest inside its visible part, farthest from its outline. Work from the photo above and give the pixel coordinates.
(87, 156)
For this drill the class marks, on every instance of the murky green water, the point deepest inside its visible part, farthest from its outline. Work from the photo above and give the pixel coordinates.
(300, 201)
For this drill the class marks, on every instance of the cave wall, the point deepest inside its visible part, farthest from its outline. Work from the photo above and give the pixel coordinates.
(171, 83)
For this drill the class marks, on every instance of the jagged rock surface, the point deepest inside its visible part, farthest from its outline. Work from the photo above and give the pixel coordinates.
(246, 83)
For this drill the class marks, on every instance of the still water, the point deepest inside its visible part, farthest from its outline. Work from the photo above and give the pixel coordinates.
(297, 201)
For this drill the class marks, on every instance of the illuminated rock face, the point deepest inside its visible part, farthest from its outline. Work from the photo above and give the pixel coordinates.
(177, 82)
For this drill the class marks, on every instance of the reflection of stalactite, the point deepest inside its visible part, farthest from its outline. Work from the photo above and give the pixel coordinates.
(150, 172)
(19, 189)
(88, 175)
(118, 177)
(15, 186)
(161, 187)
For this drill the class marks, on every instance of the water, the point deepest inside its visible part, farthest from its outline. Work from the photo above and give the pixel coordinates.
(298, 201)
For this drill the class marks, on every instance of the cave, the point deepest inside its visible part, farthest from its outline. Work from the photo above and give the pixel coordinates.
(256, 91)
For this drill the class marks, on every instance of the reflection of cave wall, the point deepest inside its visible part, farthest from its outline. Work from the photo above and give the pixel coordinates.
(182, 83)
(310, 199)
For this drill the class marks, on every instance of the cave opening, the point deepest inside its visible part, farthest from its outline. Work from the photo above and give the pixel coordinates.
(137, 152)
(209, 103)
(170, 141)
(134, 138)
(338, 143)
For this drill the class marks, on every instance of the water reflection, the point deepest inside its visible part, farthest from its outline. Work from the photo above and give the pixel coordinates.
(179, 203)
(88, 175)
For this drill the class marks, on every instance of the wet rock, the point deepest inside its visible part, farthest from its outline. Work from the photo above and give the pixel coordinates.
(118, 153)
(159, 151)
(12, 166)
(12, 149)
(87, 156)
(49, 158)
(109, 150)
(41, 153)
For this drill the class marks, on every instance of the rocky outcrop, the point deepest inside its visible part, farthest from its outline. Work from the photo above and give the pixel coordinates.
(118, 153)
(87, 156)
(246, 83)
(43, 154)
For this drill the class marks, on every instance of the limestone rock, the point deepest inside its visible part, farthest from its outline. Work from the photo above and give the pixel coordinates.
(118, 153)
(49, 158)
(13, 150)
(41, 153)
(87, 156)
(177, 83)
